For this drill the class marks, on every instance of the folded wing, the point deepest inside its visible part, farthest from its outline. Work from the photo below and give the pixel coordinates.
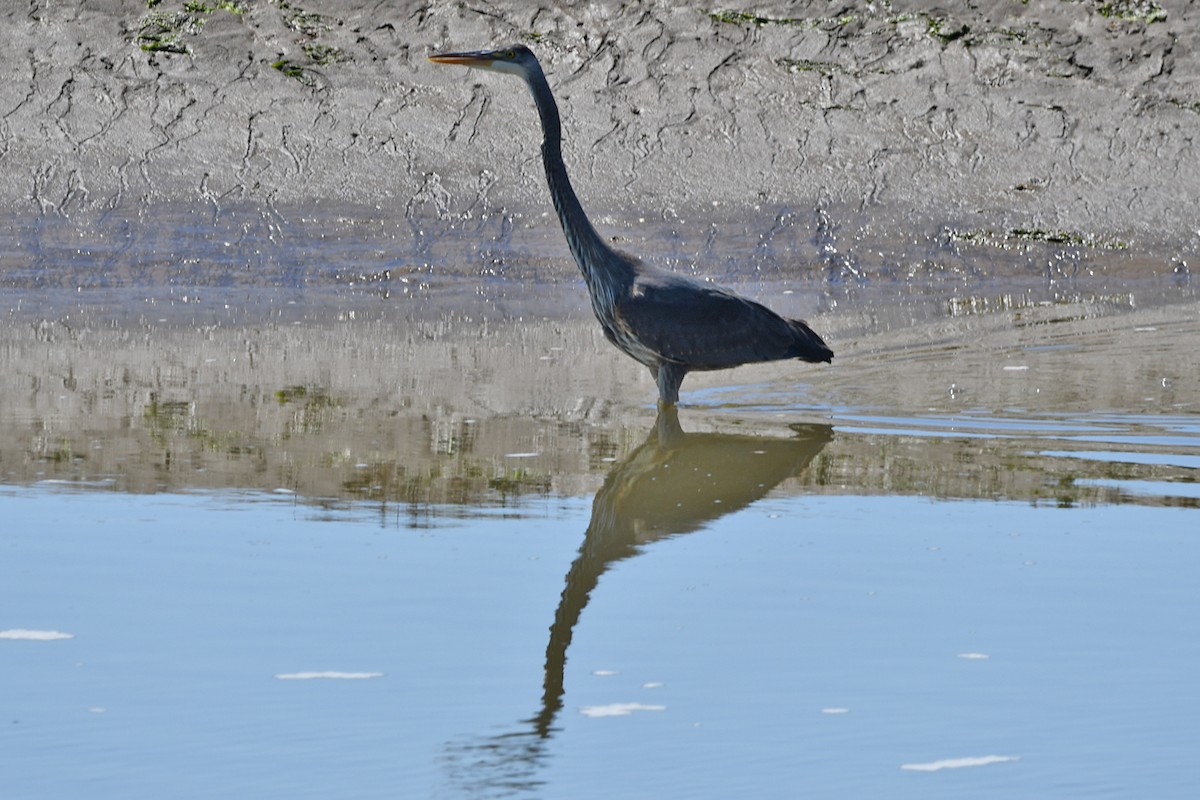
(705, 327)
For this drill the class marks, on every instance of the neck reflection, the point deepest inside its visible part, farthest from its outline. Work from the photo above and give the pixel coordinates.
(673, 483)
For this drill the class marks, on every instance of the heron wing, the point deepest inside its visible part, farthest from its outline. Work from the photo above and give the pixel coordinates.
(701, 326)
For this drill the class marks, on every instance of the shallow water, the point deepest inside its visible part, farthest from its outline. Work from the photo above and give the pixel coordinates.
(291, 536)
(252, 645)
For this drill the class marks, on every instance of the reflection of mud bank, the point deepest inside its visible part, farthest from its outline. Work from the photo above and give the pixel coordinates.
(430, 413)
(1073, 118)
(440, 412)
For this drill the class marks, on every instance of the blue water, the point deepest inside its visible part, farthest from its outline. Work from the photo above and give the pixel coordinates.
(815, 646)
(772, 607)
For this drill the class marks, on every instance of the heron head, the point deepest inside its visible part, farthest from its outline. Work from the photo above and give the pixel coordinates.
(515, 59)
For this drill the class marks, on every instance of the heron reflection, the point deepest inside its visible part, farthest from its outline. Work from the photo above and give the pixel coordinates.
(673, 483)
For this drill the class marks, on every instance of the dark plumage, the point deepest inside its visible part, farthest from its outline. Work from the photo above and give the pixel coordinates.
(668, 322)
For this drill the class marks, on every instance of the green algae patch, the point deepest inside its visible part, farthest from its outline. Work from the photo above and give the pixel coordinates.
(1133, 10)
(197, 7)
(939, 28)
(1040, 235)
(806, 65)
(165, 31)
(323, 54)
(746, 18)
(308, 23)
(304, 73)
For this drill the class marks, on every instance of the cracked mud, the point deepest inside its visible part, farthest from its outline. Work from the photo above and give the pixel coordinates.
(1076, 118)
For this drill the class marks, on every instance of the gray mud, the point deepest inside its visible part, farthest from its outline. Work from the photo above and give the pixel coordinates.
(993, 119)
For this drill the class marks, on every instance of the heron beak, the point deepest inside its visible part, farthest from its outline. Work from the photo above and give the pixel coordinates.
(481, 59)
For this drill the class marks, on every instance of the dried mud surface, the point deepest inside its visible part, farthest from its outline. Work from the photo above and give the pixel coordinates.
(1076, 116)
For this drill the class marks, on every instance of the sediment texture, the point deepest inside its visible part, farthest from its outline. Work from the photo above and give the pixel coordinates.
(1077, 116)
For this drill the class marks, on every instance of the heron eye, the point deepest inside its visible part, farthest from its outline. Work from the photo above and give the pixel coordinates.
(510, 54)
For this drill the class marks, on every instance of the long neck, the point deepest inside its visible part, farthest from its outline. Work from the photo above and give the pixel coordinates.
(590, 252)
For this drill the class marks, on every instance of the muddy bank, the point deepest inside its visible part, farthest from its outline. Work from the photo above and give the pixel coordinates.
(1073, 118)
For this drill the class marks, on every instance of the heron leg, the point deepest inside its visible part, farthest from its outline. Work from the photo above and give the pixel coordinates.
(670, 432)
(668, 377)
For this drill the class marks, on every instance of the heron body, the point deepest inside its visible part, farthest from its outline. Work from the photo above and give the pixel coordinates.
(671, 323)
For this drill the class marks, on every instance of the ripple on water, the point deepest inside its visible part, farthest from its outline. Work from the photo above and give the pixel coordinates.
(35, 636)
(958, 763)
(618, 709)
(327, 675)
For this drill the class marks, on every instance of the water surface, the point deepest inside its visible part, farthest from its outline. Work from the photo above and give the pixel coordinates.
(284, 525)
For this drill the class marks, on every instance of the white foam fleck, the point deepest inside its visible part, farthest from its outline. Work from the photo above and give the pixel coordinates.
(327, 675)
(974, 656)
(1016, 368)
(653, 685)
(605, 673)
(618, 709)
(835, 710)
(521, 455)
(959, 763)
(35, 636)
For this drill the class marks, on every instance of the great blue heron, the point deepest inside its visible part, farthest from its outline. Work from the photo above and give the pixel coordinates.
(670, 323)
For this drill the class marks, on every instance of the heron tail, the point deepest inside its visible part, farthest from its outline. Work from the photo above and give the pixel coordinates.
(807, 345)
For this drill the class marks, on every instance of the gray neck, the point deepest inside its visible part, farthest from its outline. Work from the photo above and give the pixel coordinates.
(589, 250)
